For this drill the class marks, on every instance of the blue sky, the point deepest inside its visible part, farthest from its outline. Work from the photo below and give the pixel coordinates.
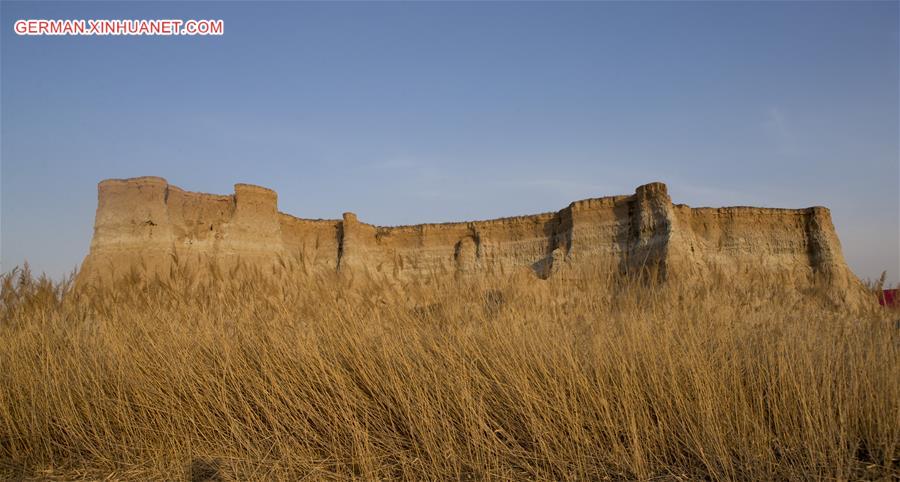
(407, 113)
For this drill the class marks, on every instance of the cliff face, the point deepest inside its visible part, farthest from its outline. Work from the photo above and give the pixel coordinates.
(146, 223)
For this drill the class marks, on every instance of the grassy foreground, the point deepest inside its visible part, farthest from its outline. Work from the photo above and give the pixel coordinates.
(245, 377)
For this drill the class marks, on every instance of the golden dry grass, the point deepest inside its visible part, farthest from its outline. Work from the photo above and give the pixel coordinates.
(246, 377)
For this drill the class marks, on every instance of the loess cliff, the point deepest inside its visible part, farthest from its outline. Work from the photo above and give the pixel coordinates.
(146, 224)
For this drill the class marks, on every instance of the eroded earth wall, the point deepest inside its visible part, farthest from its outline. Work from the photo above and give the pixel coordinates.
(146, 224)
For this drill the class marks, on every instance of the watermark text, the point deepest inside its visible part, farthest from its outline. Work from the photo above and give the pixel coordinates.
(119, 27)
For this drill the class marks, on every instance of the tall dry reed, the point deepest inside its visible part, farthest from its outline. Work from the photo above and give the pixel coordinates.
(245, 376)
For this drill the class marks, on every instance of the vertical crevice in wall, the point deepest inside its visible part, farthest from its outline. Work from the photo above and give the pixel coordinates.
(651, 227)
(467, 252)
(476, 236)
(626, 234)
(562, 231)
(818, 247)
(556, 246)
(340, 244)
(348, 244)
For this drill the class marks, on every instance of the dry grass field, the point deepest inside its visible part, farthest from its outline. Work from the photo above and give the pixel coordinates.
(250, 377)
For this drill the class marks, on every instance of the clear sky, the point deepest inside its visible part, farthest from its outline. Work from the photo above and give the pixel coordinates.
(408, 113)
